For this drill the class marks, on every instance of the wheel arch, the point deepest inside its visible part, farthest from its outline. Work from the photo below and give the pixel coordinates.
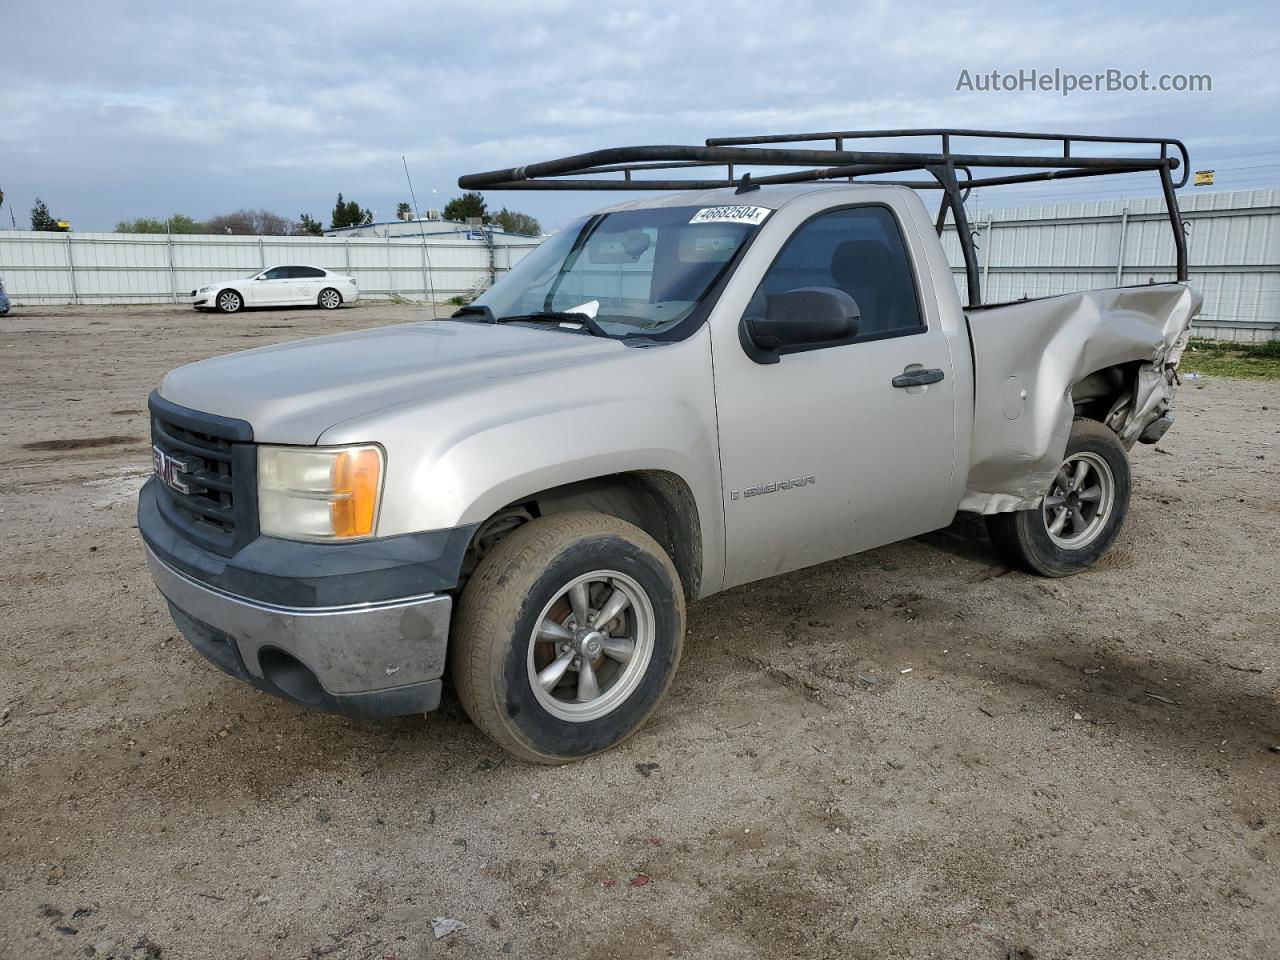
(1097, 393)
(657, 501)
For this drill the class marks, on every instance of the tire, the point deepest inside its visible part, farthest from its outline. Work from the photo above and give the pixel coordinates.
(329, 299)
(495, 660)
(229, 301)
(1027, 539)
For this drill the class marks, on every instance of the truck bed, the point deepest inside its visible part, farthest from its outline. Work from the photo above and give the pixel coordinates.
(1031, 357)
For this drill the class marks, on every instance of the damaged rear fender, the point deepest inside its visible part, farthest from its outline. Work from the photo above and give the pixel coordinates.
(1028, 357)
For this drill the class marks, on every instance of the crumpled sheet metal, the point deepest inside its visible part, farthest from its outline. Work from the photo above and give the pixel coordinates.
(1029, 355)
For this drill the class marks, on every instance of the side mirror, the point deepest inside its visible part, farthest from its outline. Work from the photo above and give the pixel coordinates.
(803, 317)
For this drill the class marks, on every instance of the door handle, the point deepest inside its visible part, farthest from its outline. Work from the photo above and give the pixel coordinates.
(918, 378)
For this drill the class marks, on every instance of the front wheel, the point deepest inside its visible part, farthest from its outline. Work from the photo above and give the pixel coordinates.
(1081, 514)
(330, 299)
(567, 636)
(229, 301)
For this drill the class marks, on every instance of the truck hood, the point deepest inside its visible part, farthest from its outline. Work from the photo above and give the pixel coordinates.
(293, 392)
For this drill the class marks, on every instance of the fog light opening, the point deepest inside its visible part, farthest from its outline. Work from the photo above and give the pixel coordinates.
(291, 676)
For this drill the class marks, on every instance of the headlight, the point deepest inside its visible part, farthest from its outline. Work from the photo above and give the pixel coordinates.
(319, 493)
(205, 289)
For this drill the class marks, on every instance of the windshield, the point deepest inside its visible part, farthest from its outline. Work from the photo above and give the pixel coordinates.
(635, 272)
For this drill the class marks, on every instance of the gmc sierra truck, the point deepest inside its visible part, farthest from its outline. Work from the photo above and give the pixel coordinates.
(669, 397)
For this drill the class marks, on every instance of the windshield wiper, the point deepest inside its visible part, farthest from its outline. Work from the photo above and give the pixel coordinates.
(556, 316)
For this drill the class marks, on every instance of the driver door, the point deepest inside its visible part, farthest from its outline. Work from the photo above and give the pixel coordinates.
(273, 286)
(822, 454)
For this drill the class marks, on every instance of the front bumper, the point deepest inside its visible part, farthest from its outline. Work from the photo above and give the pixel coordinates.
(373, 659)
(359, 629)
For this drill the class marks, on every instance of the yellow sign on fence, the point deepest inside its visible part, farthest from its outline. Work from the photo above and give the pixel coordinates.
(1204, 178)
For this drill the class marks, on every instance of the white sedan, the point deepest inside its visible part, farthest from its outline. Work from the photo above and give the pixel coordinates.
(279, 287)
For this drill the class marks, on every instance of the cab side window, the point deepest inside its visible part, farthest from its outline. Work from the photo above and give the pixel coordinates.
(858, 250)
(276, 273)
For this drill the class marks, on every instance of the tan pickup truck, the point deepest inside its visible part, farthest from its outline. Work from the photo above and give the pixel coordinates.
(718, 382)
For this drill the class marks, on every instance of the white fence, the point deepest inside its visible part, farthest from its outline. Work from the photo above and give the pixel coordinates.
(1233, 242)
(1233, 246)
(63, 268)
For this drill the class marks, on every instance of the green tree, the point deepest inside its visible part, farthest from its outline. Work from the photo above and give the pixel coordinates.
(308, 227)
(41, 219)
(178, 223)
(463, 208)
(341, 216)
(181, 223)
(140, 225)
(404, 211)
(513, 221)
(348, 214)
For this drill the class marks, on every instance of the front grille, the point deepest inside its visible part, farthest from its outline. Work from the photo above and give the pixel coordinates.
(206, 484)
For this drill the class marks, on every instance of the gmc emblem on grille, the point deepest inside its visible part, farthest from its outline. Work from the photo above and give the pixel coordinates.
(170, 470)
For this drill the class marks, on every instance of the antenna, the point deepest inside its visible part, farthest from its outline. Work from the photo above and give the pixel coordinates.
(422, 229)
(412, 195)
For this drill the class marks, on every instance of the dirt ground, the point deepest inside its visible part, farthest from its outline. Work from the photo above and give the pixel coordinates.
(908, 753)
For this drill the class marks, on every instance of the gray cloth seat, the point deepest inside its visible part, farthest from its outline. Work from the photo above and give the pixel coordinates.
(873, 276)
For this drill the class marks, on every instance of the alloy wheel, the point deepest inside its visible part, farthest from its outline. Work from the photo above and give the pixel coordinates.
(1080, 501)
(591, 646)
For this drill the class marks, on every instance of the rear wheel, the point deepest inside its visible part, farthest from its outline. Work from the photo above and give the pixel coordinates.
(567, 636)
(1081, 514)
(329, 299)
(229, 301)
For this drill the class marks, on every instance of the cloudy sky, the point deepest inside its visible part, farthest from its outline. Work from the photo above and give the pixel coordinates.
(118, 110)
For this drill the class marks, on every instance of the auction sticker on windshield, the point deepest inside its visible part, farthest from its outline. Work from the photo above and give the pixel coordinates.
(734, 214)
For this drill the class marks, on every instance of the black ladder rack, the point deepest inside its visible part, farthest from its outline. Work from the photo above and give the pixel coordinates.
(950, 171)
